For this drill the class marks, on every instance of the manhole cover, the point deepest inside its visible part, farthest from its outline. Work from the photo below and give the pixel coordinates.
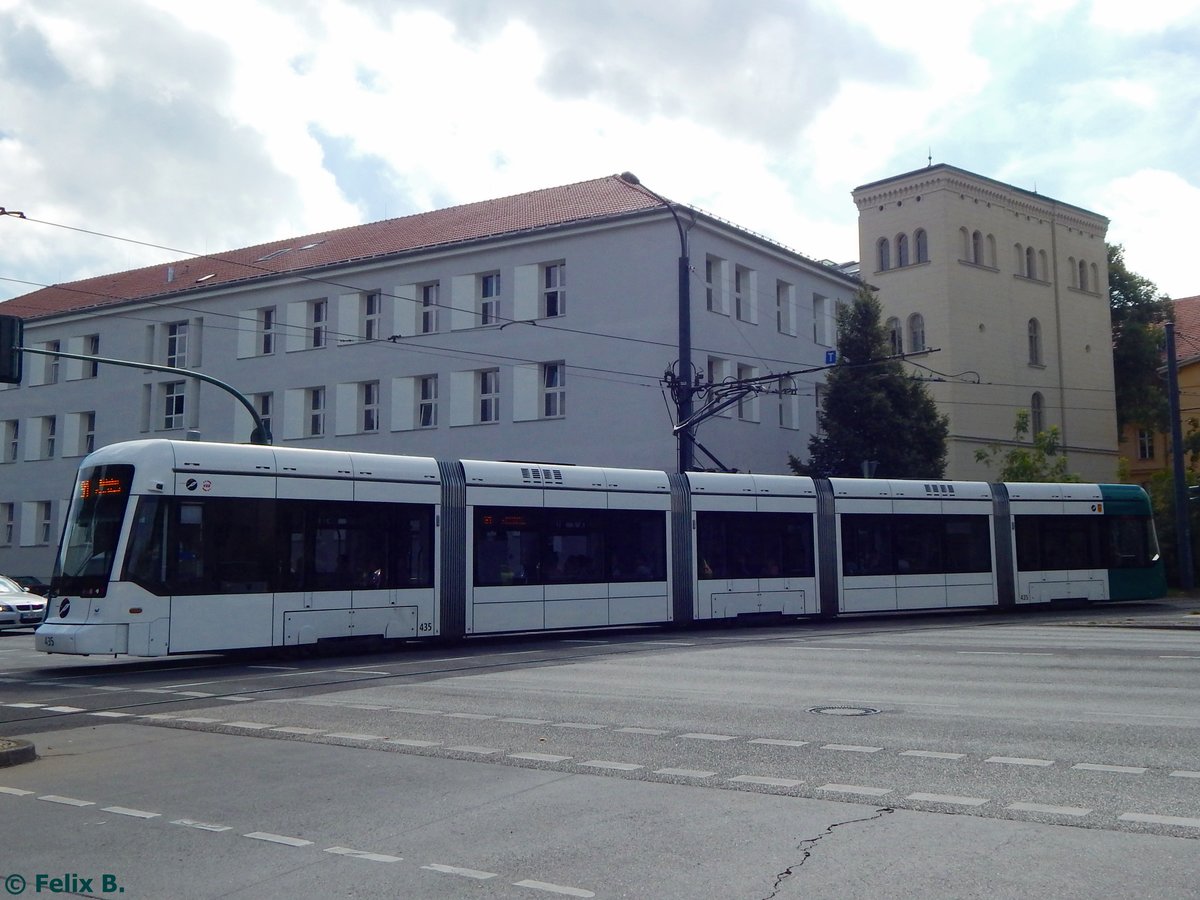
(844, 710)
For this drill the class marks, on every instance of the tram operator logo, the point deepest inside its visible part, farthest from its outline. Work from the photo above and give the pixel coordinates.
(68, 883)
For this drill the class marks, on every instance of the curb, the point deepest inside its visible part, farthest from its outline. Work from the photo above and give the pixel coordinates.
(15, 752)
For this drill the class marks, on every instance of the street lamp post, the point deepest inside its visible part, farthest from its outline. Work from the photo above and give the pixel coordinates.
(683, 389)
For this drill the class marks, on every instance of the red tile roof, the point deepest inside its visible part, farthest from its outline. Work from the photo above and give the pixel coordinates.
(1187, 328)
(600, 199)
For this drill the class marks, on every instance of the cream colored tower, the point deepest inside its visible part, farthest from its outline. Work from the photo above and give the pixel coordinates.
(1010, 289)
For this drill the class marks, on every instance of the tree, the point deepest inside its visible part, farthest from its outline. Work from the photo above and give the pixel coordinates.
(872, 409)
(1138, 311)
(1039, 461)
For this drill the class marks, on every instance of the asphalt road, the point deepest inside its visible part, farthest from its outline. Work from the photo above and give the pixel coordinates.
(952, 757)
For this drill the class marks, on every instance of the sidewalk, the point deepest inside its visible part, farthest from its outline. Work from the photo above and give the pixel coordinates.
(1171, 612)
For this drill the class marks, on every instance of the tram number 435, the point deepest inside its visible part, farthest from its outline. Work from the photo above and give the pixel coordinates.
(425, 626)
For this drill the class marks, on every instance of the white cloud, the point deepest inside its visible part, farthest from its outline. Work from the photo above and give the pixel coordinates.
(1152, 213)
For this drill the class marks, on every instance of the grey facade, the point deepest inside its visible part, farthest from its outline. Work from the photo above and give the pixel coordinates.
(544, 341)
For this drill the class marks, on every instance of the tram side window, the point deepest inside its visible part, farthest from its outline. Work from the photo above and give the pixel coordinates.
(354, 546)
(1131, 542)
(145, 564)
(918, 543)
(968, 544)
(220, 546)
(1057, 543)
(867, 545)
(574, 548)
(754, 545)
(506, 546)
(637, 542)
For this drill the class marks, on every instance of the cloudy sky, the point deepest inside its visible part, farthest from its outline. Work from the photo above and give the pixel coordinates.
(205, 126)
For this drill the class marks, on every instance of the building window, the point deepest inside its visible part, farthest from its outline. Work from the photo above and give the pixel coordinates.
(173, 396)
(1035, 342)
(52, 362)
(45, 515)
(744, 299)
(1145, 443)
(489, 298)
(7, 522)
(554, 390)
(714, 284)
(429, 308)
(265, 406)
(1037, 415)
(177, 344)
(427, 404)
(554, 289)
(488, 393)
(315, 400)
(922, 241)
(87, 432)
(895, 336)
(12, 439)
(91, 347)
(369, 405)
(1030, 263)
(747, 404)
(883, 253)
(266, 331)
(372, 313)
(785, 307)
(916, 333)
(318, 323)
(902, 250)
(977, 248)
(49, 436)
(1083, 276)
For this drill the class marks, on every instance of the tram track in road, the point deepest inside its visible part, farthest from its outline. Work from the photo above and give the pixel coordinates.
(600, 644)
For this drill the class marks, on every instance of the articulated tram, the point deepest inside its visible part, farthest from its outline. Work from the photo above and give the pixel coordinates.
(185, 547)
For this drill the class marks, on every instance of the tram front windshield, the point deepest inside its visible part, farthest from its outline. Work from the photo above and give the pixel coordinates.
(89, 545)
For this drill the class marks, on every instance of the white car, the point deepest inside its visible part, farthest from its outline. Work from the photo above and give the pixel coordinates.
(19, 607)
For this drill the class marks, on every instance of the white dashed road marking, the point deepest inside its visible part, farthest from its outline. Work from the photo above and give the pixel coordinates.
(777, 743)
(457, 870)
(539, 757)
(685, 773)
(66, 801)
(768, 782)
(201, 826)
(363, 854)
(1050, 810)
(699, 736)
(1019, 761)
(1124, 770)
(618, 766)
(277, 838)
(1160, 820)
(950, 799)
(855, 789)
(851, 748)
(136, 813)
(554, 888)
(932, 754)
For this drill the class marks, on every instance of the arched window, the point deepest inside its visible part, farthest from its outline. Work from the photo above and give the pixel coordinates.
(991, 250)
(1043, 269)
(922, 240)
(1037, 415)
(902, 249)
(1018, 259)
(895, 336)
(884, 254)
(1030, 263)
(1083, 276)
(977, 248)
(1073, 269)
(1035, 342)
(1095, 278)
(965, 236)
(916, 333)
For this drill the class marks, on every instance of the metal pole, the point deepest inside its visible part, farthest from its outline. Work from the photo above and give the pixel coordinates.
(1183, 530)
(684, 388)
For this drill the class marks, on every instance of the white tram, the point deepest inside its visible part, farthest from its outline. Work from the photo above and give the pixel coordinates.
(184, 547)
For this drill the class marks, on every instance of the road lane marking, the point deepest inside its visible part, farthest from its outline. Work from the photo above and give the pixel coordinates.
(16, 792)
(1184, 774)
(517, 721)
(554, 888)
(685, 773)
(458, 870)
(1124, 770)
(606, 764)
(136, 813)
(296, 729)
(363, 854)
(772, 742)
(932, 754)
(250, 726)
(406, 742)
(654, 731)
(582, 726)
(539, 757)
(1160, 820)
(468, 748)
(700, 736)
(950, 799)
(63, 709)
(851, 748)
(66, 801)
(277, 838)
(347, 736)
(467, 715)
(110, 714)
(855, 789)
(1049, 810)
(1019, 761)
(767, 781)
(201, 826)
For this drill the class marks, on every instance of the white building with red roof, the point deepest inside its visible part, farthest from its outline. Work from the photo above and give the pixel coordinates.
(536, 327)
